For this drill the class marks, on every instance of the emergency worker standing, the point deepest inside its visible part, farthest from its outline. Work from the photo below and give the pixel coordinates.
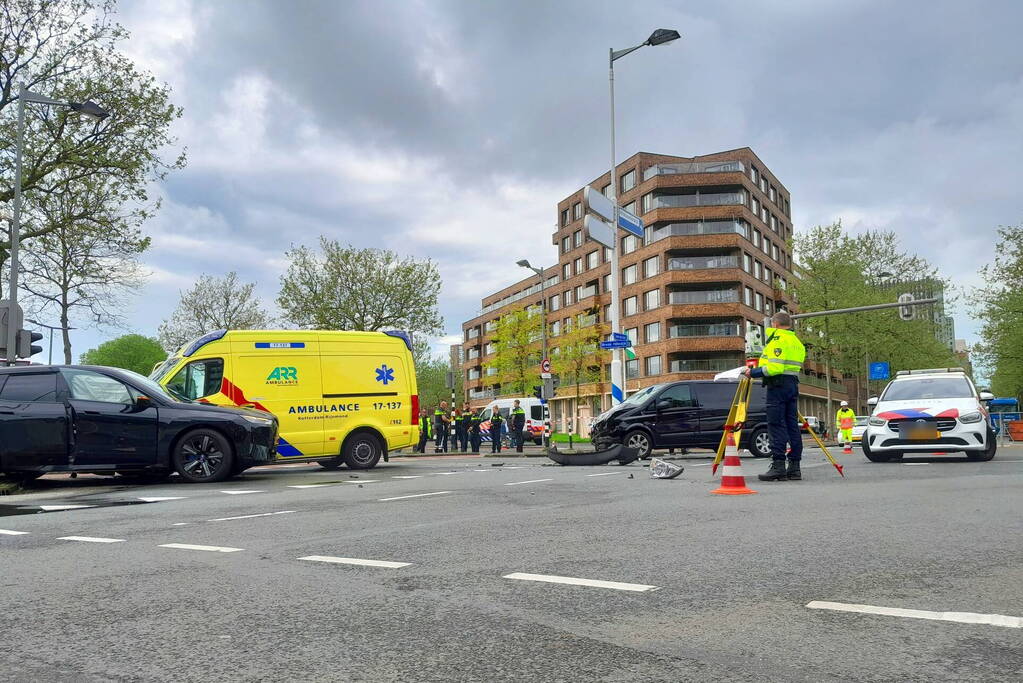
(466, 418)
(424, 430)
(441, 428)
(472, 426)
(459, 423)
(518, 423)
(496, 424)
(780, 365)
(845, 418)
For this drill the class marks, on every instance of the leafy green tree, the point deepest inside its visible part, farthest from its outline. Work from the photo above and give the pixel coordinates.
(580, 359)
(999, 307)
(344, 288)
(214, 304)
(68, 50)
(131, 352)
(431, 379)
(516, 352)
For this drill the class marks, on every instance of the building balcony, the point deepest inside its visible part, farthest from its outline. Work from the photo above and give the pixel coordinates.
(682, 201)
(708, 330)
(821, 383)
(704, 296)
(703, 262)
(481, 393)
(693, 167)
(704, 364)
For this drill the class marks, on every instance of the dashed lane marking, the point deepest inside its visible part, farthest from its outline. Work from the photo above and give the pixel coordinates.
(207, 548)
(261, 514)
(9, 532)
(91, 539)
(961, 617)
(407, 476)
(913, 464)
(238, 493)
(530, 481)
(55, 508)
(160, 499)
(360, 481)
(417, 495)
(603, 474)
(307, 486)
(352, 560)
(572, 581)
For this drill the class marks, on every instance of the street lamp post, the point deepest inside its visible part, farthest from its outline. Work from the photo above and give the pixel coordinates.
(659, 37)
(87, 108)
(51, 328)
(543, 345)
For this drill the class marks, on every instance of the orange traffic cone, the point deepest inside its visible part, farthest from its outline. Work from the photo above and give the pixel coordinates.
(848, 449)
(732, 481)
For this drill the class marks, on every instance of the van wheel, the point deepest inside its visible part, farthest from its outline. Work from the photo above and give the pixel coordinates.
(361, 451)
(203, 456)
(332, 464)
(760, 443)
(640, 441)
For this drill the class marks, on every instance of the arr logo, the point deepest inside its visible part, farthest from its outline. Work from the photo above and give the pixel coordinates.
(283, 375)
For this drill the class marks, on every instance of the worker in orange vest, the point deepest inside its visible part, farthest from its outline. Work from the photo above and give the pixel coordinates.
(844, 421)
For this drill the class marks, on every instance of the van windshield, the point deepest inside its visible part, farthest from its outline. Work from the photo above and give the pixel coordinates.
(160, 371)
(641, 395)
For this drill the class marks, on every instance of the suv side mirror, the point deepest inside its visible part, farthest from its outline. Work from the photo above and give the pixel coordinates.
(987, 396)
(872, 401)
(142, 403)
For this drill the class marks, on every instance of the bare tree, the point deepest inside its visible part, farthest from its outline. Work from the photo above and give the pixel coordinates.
(214, 304)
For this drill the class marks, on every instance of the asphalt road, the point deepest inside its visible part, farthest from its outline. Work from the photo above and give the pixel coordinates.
(715, 587)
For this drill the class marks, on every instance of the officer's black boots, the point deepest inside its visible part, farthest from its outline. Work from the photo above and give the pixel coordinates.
(793, 472)
(776, 473)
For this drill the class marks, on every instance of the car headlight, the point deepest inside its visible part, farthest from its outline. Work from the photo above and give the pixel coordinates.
(970, 418)
(877, 422)
(263, 421)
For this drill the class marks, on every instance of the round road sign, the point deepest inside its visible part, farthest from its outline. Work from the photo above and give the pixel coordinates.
(545, 365)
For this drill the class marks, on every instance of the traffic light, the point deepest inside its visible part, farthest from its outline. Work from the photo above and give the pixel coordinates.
(26, 346)
(538, 391)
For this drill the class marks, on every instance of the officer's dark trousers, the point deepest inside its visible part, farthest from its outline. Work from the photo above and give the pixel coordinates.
(462, 438)
(516, 437)
(782, 420)
(422, 440)
(495, 440)
(475, 440)
(441, 439)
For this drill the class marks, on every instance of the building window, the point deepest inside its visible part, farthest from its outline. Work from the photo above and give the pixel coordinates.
(633, 334)
(774, 222)
(765, 215)
(606, 281)
(763, 183)
(651, 299)
(758, 270)
(756, 238)
(630, 243)
(554, 303)
(774, 251)
(650, 266)
(768, 306)
(630, 306)
(652, 333)
(606, 190)
(631, 207)
(607, 313)
(773, 194)
(756, 206)
(566, 271)
(568, 297)
(768, 276)
(653, 366)
(577, 238)
(632, 368)
(630, 275)
(566, 245)
(578, 265)
(592, 260)
(564, 218)
(628, 181)
(579, 293)
(767, 246)
(577, 210)
(607, 255)
(759, 302)
(754, 175)
(747, 262)
(748, 296)
(647, 201)
(488, 349)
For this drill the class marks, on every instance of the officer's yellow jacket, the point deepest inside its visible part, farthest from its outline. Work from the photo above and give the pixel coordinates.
(783, 354)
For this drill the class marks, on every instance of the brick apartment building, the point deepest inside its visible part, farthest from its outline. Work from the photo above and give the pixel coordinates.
(714, 261)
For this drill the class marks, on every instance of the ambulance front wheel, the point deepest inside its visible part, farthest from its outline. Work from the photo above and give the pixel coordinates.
(361, 451)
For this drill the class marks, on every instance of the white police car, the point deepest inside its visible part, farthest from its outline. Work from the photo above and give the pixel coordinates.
(928, 411)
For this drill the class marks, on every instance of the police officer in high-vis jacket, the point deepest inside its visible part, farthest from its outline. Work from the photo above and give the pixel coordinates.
(780, 365)
(424, 430)
(472, 425)
(496, 427)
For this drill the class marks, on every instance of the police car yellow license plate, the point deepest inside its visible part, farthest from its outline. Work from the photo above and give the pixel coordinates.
(918, 432)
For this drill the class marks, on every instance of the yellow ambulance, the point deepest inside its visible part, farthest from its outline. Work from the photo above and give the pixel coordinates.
(340, 397)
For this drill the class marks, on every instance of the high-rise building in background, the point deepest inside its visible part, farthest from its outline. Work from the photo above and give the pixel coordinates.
(713, 262)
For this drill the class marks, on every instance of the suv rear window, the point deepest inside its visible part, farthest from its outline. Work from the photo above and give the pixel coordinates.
(928, 387)
(30, 388)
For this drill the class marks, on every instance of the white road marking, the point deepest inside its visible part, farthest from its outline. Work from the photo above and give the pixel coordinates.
(8, 532)
(604, 474)
(702, 464)
(530, 481)
(238, 493)
(515, 467)
(180, 524)
(360, 481)
(417, 495)
(408, 476)
(157, 499)
(961, 617)
(262, 514)
(911, 464)
(352, 560)
(483, 470)
(208, 548)
(91, 539)
(307, 486)
(594, 583)
(53, 508)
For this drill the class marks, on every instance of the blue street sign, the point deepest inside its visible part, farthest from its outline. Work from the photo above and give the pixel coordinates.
(616, 344)
(627, 221)
(880, 371)
(618, 336)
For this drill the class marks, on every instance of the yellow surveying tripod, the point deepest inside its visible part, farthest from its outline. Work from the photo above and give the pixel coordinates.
(740, 408)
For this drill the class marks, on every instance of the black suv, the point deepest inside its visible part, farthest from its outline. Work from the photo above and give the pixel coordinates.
(688, 414)
(80, 418)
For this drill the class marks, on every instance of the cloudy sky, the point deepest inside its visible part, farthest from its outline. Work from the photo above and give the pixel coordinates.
(450, 129)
